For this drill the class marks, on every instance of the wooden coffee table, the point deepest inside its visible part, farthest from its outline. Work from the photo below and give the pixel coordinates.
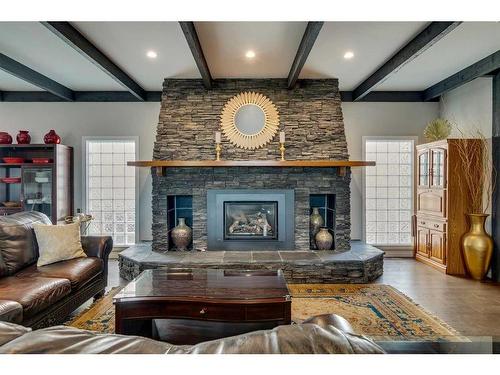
(187, 306)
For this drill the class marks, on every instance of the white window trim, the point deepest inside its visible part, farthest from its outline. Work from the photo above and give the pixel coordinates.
(404, 250)
(85, 175)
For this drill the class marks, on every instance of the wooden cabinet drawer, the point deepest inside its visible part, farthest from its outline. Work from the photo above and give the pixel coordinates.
(431, 202)
(431, 224)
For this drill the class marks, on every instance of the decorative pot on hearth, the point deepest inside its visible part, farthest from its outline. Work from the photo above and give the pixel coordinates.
(315, 222)
(477, 247)
(51, 138)
(324, 239)
(182, 235)
(23, 138)
(5, 138)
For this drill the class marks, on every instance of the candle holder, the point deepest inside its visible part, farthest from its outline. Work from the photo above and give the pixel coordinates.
(218, 149)
(282, 149)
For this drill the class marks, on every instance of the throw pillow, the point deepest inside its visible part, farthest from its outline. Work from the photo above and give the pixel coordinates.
(58, 242)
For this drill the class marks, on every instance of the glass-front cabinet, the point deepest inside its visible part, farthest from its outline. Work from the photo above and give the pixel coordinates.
(36, 177)
(37, 189)
(423, 168)
(438, 171)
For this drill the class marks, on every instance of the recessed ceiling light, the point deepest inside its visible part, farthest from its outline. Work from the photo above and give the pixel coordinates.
(348, 55)
(152, 54)
(250, 54)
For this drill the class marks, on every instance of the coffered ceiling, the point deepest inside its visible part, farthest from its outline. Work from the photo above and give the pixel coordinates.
(224, 45)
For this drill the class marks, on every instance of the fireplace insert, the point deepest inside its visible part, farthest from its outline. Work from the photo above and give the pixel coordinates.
(250, 220)
(258, 219)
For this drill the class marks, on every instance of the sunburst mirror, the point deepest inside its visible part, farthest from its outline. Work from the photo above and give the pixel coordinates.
(249, 120)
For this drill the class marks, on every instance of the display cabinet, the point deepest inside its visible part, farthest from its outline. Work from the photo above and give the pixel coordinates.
(37, 178)
(440, 214)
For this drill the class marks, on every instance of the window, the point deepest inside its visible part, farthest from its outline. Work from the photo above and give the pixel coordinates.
(388, 191)
(110, 188)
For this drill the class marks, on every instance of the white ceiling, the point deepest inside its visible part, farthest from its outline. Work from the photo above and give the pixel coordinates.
(225, 44)
(372, 43)
(274, 43)
(126, 43)
(35, 46)
(467, 44)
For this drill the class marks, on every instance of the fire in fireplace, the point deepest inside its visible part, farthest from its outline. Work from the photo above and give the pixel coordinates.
(260, 219)
(250, 220)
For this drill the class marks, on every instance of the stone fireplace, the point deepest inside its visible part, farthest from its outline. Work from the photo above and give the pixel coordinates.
(311, 117)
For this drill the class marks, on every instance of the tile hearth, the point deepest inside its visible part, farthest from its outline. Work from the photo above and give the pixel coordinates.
(361, 264)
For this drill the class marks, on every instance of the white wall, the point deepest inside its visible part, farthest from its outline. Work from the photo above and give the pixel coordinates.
(72, 121)
(470, 106)
(379, 119)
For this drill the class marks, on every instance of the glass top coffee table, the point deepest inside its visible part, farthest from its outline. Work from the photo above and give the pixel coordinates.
(187, 306)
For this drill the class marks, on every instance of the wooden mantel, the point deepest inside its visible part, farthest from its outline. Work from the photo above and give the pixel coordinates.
(161, 165)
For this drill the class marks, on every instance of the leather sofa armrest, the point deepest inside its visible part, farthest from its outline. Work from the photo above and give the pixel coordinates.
(97, 246)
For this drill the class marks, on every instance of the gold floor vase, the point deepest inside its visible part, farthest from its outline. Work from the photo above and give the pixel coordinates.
(477, 247)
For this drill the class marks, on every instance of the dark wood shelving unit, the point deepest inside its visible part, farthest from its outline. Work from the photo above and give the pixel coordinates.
(44, 187)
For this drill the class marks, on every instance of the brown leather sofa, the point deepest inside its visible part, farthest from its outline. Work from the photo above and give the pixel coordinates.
(42, 296)
(324, 334)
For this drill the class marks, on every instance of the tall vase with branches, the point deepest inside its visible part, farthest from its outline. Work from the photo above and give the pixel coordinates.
(477, 182)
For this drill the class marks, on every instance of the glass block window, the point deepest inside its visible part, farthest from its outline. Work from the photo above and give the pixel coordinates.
(110, 189)
(388, 192)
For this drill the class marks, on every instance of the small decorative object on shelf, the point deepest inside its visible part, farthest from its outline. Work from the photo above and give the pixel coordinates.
(182, 235)
(437, 129)
(13, 160)
(51, 137)
(41, 160)
(316, 221)
(5, 138)
(11, 180)
(23, 138)
(324, 239)
(282, 145)
(218, 147)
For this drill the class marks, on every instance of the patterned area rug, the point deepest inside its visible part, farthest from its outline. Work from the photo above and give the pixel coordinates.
(379, 311)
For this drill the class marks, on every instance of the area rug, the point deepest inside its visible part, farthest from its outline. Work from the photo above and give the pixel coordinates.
(376, 310)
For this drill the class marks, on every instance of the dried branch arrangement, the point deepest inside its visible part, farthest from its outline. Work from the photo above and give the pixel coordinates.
(478, 178)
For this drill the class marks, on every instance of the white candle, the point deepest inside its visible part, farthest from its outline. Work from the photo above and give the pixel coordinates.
(282, 137)
(217, 137)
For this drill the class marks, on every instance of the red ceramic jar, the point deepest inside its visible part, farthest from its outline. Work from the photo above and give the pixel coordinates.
(23, 138)
(5, 138)
(52, 138)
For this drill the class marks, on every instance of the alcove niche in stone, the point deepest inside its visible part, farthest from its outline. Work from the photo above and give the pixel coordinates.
(311, 117)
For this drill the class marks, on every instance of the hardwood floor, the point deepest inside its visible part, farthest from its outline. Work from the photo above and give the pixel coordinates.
(471, 307)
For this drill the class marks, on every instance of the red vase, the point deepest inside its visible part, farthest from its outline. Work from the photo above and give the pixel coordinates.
(23, 138)
(52, 138)
(5, 138)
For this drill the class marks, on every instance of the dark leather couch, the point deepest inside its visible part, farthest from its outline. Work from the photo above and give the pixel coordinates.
(42, 296)
(324, 334)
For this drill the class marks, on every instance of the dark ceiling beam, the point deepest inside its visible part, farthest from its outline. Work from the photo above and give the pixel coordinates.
(385, 96)
(80, 96)
(199, 58)
(31, 76)
(305, 46)
(485, 66)
(155, 96)
(82, 45)
(430, 35)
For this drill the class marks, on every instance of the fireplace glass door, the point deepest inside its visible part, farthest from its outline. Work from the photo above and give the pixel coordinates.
(250, 220)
